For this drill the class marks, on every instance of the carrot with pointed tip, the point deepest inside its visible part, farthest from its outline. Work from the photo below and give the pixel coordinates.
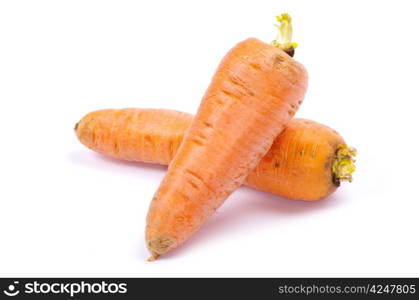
(254, 93)
(307, 161)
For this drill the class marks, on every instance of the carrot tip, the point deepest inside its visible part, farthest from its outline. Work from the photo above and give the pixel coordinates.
(284, 37)
(153, 257)
(159, 245)
(343, 164)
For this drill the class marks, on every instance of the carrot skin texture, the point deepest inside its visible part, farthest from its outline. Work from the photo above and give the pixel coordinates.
(299, 163)
(146, 135)
(255, 91)
(297, 166)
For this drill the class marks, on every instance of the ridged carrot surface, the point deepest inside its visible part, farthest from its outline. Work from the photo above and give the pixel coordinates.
(146, 135)
(298, 166)
(255, 91)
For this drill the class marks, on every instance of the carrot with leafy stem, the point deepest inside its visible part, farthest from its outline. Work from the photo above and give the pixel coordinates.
(307, 161)
(254, 93)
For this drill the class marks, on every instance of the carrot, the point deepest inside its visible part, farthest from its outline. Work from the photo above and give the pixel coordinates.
(255, 91)
(146, 135)
(307, 161)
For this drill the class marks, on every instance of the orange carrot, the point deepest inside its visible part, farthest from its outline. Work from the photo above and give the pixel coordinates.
(307, 160)
(146, 135)
(254, 93)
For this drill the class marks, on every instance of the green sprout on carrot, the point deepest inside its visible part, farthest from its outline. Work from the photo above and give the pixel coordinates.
(284, 37)
(343, 164)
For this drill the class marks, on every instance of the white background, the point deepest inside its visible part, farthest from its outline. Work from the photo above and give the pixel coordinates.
(66, 211)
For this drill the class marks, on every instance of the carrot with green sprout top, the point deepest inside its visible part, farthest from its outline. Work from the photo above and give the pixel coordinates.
(254, 93)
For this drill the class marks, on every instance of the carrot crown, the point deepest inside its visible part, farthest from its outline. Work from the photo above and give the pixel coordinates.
(343, 164)
(284, 37)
